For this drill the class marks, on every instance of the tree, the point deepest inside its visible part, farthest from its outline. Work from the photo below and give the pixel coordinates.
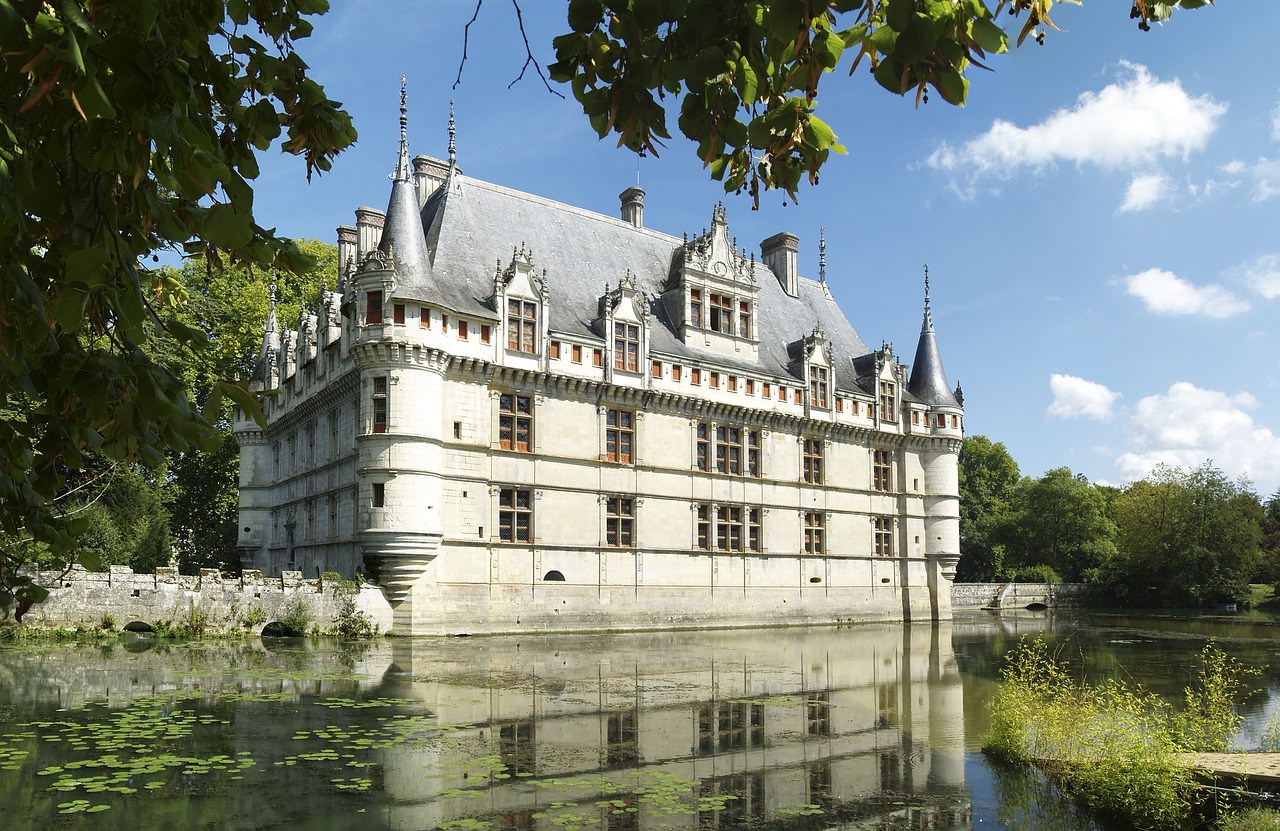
(746, 74)
(1186, 538)
(128, 128)
(1061, 521)
(988, 483)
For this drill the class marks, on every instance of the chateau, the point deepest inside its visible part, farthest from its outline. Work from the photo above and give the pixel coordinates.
(518, 415)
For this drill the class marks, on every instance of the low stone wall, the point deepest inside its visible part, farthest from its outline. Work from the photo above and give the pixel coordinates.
(1017, 595)
(117, 597)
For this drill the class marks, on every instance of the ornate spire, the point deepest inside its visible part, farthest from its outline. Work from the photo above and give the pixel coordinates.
(271, 305)
(822, 254)
(402, 164)
(928, 312)
(453, 139)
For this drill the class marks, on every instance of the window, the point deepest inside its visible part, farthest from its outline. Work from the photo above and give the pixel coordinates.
(721, 309)
(397, 313)
(766, 391)
(424, 317)
(516, 747)
(462, 330)
(729, 528)
(813, 461)
(597, 357)
(379, 400)
(744, 319)
(882, 470)
(955, 422)
(522, 326)
(732, 445)
(677, 372)
(732, 383)
(626, 347)
(942, 420)
(555, 349)
(379, 496)
(515, 515)
(486, 333)
(818, 387)
(515, 422)
(620, 436)
(576, 353)
(814, 533)
(655, 369)
(444, 323)
(620, 518)
(884, 536)
(798, 398)
(751, 387)
(915, 417)
(839, 404)
(695, 307)
(715, 381)
(886, 401)
(695, 376)
(373, 307)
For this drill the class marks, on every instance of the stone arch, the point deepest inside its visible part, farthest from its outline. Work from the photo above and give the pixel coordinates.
(139, 627)
(279, 629)
(553, 576)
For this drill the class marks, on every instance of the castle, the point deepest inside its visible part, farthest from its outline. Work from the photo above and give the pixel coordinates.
(517, 415)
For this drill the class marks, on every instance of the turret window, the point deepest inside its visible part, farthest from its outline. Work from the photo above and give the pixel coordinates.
(373, 307)
(379, 401)
(522, 326)
(397, 312)
(626, 347)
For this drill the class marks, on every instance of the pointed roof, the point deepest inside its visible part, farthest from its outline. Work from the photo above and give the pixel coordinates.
(402, 234)
(928, 381)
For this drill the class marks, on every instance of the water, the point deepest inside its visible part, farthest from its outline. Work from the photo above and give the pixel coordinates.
(875, 727)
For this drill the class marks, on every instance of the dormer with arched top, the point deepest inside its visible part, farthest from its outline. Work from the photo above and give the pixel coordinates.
(712, 294)
(622, 320)
(816, 366)
(520, 299)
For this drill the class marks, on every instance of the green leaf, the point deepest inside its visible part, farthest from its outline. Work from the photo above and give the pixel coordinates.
(226, 226)
(92, 99)
(585, 15)
(953, 86)
(900, 13)
(988, 35)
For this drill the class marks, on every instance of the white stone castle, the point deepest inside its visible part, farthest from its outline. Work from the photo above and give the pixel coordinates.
(517, 415)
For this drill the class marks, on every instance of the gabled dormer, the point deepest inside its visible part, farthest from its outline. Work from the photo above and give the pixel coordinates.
(883, 378)
(520, 299)
(622, 320)
(712, 294)
(815, 357)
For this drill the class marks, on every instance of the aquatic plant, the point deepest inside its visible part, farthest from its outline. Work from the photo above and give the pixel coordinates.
(1111, 745)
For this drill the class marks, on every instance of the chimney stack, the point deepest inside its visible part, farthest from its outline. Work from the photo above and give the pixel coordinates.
(346, 249)
(368, 230)
(633, 206)
(779, 252)
(428, 174)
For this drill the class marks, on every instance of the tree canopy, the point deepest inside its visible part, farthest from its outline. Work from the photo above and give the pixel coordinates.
(746, 74)
(127, 129)
(989, 480)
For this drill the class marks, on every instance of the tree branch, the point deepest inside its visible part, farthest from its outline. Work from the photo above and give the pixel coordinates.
(528, 50)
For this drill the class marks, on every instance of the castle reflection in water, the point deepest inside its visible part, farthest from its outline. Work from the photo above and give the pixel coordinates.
(860, 727)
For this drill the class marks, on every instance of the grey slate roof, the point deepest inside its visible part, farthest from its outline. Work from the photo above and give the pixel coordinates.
(473, 227)
(402, 234)
(928, 382)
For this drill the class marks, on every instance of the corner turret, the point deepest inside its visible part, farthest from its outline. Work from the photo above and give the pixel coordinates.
(928, 381)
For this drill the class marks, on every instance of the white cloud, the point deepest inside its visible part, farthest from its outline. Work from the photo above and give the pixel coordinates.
(1124, 124)
(1266, 179)
(1233, 168)
(1145, 190)
(1189, 424)
(1164, 292)
(1262, 274)
(1080, 398)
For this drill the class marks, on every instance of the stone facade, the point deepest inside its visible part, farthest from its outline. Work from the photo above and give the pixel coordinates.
(503, 445)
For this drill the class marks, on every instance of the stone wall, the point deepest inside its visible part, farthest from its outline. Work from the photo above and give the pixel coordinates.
(119, 597)
(1016, 595)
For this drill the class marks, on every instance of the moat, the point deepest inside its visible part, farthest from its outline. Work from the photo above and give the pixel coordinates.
(875, 726)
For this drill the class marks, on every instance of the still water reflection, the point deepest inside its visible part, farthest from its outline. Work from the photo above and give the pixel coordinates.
(869, 727)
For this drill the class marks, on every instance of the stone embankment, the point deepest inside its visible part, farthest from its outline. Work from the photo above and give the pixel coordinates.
(119, 598)
(1017, 595)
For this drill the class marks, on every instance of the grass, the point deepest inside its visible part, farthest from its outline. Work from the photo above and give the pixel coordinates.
(1254, 819)
(1110, 745)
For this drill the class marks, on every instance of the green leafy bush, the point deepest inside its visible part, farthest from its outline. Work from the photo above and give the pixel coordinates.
(352, 623)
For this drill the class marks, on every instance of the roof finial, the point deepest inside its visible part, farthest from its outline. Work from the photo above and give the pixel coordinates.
(271, 300)
(453, 135)
(928, 312)
(822, 254)
(402, 166)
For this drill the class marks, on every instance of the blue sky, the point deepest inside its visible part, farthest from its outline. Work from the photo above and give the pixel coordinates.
(1099, 222)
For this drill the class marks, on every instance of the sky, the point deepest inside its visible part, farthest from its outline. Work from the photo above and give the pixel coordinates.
(1099, 222)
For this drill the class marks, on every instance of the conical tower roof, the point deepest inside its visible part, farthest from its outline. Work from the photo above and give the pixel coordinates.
(928, 380)
(402, 234)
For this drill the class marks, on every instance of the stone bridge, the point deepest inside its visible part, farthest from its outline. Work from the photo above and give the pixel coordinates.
(1017, 595)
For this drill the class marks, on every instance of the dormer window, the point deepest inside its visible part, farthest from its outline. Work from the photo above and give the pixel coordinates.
(695, 307)
(626, 347)
(887, 412)
(744, 319)
(818, 387)
(721, 308)
(522, 326)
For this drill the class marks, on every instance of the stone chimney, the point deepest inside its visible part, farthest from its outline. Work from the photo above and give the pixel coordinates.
(346, 248)
(429, 173)
(368, 230)
(779, 252)
(633, 206)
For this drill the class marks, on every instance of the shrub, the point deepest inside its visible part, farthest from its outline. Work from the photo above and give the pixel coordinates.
(1038, 573)
(296, 615)
(353, 623)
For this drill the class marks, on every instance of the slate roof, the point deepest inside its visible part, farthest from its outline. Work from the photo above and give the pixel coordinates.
(473, 227)
(928, 382)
